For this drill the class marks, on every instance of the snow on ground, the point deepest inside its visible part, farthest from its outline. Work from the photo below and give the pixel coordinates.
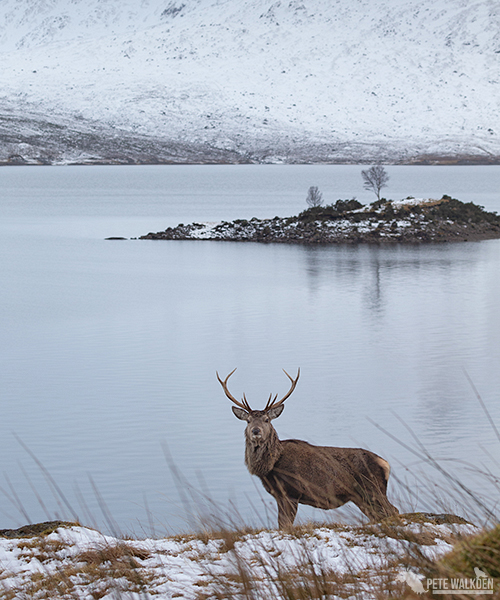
(410, 201)
(205, 230)
(258, 80)
(79, 561)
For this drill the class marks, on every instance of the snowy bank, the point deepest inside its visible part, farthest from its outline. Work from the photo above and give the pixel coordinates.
(71, 561)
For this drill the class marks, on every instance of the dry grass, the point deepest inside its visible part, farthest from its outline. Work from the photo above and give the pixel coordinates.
(255, 567)
(99, 571)
(266, 575)
(227, 537)
(482, 551)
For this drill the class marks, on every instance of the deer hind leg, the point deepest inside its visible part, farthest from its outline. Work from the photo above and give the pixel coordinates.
(384, 508)
(372, 501)
(371, 494)
(377, 508)
(287, 510)
(374, 505)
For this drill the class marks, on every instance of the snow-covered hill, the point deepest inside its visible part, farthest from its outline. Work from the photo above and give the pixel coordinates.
(249, 80)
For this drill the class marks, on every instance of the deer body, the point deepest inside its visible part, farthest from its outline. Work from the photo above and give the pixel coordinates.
(295, 472)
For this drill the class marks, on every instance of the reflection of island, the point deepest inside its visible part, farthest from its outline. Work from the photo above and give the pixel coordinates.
(410, 220)
(351, 265)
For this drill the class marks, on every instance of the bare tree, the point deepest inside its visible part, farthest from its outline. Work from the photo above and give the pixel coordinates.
(375, 178)
(314, 197)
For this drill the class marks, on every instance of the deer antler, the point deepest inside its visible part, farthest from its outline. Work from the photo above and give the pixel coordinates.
(244, 404)
(273, 404)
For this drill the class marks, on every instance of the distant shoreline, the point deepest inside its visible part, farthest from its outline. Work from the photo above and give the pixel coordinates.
(348, 222)
(417, 161)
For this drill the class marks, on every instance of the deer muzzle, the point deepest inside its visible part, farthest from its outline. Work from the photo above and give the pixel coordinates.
(255, 434)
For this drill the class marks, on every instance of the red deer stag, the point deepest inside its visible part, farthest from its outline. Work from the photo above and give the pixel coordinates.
(295, 472)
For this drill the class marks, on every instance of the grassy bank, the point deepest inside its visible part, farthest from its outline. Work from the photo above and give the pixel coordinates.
(63, 560)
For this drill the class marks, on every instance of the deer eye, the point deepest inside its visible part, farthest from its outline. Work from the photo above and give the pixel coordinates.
(266, 419)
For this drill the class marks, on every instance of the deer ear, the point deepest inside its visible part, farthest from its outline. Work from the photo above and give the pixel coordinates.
(239, 413)
(274, 413)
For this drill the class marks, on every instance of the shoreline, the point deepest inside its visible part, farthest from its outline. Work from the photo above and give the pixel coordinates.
(426, 160)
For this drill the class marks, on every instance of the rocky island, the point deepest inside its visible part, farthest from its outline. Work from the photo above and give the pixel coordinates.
(411, 220)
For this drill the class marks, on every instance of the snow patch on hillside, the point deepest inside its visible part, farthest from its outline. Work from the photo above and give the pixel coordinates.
(264, 81)
(82, 561)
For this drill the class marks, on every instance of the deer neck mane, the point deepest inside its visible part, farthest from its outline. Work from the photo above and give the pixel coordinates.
(260, 458)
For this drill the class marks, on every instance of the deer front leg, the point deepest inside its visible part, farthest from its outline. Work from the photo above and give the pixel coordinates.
(287, 510)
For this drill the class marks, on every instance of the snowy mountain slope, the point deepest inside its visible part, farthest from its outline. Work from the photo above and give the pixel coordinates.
(254, 80)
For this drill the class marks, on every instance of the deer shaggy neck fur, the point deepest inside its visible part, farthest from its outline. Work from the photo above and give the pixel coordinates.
(261, 456)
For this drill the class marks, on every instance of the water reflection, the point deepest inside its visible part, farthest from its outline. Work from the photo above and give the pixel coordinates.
(429, 308)
(378, 267)
(347, 266)
(373, 294)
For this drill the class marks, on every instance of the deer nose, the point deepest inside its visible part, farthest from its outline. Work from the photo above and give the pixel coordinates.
(256, 431)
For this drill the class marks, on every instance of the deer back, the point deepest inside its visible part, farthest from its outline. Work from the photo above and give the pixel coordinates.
(325, 476)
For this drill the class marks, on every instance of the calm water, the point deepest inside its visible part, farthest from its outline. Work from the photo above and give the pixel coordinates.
(109, 350)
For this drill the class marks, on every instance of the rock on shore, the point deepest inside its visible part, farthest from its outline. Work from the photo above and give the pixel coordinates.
(410, 220)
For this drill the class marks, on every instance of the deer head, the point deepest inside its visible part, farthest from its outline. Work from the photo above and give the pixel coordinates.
(259, 427)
